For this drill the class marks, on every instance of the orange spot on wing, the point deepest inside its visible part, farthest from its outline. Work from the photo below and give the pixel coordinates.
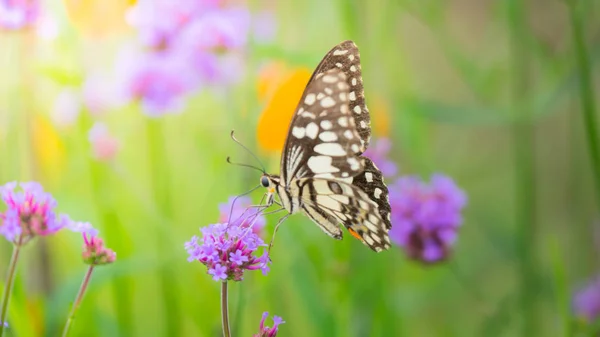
(355, 234)
(275, 118)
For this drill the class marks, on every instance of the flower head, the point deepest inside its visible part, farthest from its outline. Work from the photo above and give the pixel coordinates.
(29, 213)
(377, 152)
(426, 217)
(18, 14)
(266, 331)
(586, 301)
(94, 251)
(240, 214)
(227, 250)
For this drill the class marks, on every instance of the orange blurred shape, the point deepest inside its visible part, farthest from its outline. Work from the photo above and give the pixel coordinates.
(283, 90)
(98, 18)
(380, 116)
(48, 148)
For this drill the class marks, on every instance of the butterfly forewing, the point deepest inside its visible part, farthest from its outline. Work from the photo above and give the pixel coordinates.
(345, 56)
(322, 140)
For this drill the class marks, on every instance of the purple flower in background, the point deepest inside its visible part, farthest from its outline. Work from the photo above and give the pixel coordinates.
(104, 145)
(241, 214)
(227, 251)
(266, 331)
(18, 14)
(586, 301)
(426, 217)
(29, 213)
(160, 83)
(377, 152)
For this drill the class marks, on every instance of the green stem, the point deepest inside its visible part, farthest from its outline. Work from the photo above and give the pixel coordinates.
(84, 285)
(9, 283)
(524, 155)
(586, 90)
(225, 310)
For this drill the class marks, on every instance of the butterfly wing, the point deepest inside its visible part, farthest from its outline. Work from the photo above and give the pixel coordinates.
(346, 57)
(328, 202)
(322, 140)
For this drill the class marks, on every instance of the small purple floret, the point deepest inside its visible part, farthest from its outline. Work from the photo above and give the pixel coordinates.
(266, 331)
(586, 301)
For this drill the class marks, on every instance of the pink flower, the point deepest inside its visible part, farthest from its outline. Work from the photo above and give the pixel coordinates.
(95, 253)
(18, 14)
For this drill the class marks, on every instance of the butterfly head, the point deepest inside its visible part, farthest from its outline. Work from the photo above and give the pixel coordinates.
(269, 182)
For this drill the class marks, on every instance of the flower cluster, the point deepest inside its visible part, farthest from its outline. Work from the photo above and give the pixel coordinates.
(237, 211)
(29, 213)
(228, 250)
(186, 44)
(586, 301)
(18, 14)
(377, 152)
(426, 217)
(94, 252)
(266, 331)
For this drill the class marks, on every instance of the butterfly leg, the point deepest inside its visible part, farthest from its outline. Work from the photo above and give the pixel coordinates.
(281, 220)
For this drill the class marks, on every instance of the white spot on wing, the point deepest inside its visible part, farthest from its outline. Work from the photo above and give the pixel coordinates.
(343, 121)
(330, 79)
(348, 134)
(309, 99)
(340, 52)
(353, 69)
(353, 163)
(321, 164)
(377, 192)
(330, 149)
(363, 124)
(369, 177)
(326, 125)
(357, 109)
(353, 80)
(328, 136)
(298, 132)
(327, 102)
(312, 130)
(352, 96)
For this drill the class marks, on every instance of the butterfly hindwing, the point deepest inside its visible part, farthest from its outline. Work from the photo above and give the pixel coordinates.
(371, 182)
(346, 57)
(349, 205)
(322, 139)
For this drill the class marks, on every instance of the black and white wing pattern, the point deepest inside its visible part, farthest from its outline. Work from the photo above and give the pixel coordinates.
(322, 170)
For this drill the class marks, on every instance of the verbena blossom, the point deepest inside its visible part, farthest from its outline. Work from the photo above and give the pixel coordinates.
(104, 145)
(18, 14)
(426, 216)
(94, 251)
(29, 213)
(586, 301)
(228, 251)
(240, 214)
(266, 331)
(377, 152)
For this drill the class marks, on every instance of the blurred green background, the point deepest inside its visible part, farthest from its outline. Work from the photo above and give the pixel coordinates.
(488, 92)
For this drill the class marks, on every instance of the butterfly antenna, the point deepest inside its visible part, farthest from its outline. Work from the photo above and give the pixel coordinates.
(245, 165)
(248, 150)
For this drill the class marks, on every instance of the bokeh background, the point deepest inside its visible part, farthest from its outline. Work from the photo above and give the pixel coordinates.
(126, 134)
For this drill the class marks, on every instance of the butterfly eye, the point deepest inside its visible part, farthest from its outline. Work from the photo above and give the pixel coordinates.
(264, 181)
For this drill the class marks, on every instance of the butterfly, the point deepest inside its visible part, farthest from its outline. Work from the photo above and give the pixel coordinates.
(323, 172)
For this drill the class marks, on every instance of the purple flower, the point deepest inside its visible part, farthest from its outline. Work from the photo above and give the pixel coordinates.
(266, 331)
(426, 217)
(586, 301)
(29, 213)
(18, 14)
(241, 214)
(218, 272)
(377, 152)
(227, 251)
(82, 227)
